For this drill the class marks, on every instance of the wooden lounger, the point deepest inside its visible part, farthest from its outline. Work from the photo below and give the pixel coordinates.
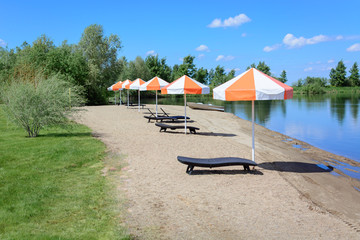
(215, 162)
(164, 126)
(161, 118)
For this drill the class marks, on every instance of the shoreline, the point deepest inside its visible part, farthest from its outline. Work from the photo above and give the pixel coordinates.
(165, 201)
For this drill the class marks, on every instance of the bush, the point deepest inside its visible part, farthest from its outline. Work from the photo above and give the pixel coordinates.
(44, 102)
(314, 88)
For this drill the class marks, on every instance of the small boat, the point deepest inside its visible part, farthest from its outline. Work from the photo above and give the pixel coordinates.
(203, 106)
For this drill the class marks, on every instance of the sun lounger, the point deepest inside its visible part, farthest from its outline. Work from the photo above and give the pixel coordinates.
(163, 127)
(154, 114)
(162, 118)
(215, 162)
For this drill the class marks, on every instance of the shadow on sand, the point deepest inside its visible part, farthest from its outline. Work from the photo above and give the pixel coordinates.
(295, 167)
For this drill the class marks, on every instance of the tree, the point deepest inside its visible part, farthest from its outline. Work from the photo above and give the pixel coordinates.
(338, 76)
(201, 75)
(44, 102)
(158, 67)
(261, 67)
(100, 53)
(186, 68)
(354, 78)
(219, 76)
(283, 77)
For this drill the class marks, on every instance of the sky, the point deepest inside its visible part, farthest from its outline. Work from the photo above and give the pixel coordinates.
(304, 38)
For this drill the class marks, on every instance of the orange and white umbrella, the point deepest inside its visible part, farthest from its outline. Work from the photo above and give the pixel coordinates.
(156, 84)
(115, 87)
(136, 85)
(123, 86)
(250, 86)
(185, 85)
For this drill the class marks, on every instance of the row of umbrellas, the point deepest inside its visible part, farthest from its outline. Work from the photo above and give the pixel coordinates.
(249, 86)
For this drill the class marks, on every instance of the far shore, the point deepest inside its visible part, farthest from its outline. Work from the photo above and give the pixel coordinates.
(286, 196)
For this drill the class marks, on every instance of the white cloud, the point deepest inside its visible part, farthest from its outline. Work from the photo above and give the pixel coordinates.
(151, 52)
(272, 48)
(354, 48)
(219, 57)
(244, 35)
(308, 69)
(340, 37)
(331, 61)
(2, 43)
(201, 56)
(230, 22)
(293, 42)
(225, 58)
(202, 48)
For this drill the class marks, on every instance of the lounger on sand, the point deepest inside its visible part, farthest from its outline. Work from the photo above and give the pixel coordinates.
(161, 118)
(215, 162)
(163, 127)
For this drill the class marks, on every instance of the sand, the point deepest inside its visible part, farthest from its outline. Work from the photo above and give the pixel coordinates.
(286, 197)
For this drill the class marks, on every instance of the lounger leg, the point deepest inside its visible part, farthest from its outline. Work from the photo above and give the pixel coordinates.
(163, 129)
(246, 168)
(189, 169)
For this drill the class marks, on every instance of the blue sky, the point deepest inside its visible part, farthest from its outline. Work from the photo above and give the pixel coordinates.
(305, 38)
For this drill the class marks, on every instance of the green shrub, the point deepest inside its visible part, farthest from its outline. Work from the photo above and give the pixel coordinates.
(44, 102)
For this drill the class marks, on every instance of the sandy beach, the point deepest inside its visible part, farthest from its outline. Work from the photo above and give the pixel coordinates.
(286, 197)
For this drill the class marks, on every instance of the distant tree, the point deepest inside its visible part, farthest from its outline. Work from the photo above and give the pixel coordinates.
(186, 68)
(201, 75)
(338, 76)
(283, 77)
(219, 76)
(354, 78)
(298, 83)
(100, 53)
(210, 76)
(261, 67)
(158, 67)
(138, 69)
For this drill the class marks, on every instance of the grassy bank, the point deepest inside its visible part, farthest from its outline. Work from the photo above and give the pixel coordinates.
(51, 186)
(327, 90)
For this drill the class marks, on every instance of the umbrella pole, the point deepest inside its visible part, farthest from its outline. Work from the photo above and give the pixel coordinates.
(156, 105)
(115, 96)
(253, 130)
(185, 111)
(128, 97)
(139, 99)
(120, 97)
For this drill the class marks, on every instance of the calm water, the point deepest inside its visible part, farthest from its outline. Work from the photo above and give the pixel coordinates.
(329, 122)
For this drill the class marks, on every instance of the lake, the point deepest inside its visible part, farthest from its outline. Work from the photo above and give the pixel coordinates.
(329, 122)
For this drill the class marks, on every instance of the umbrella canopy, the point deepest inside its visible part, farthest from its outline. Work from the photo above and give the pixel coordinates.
(185, 85)
(156, 84)
(250, 86)
(136, 85)
(123, 85)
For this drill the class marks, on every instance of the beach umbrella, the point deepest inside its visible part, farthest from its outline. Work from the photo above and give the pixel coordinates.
(250, 86)
(185, 85)
(115, 87)
(156, 84)
(136, 86)
(123, 85)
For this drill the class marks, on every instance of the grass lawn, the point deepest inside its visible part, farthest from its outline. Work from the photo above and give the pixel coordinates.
(51, 186)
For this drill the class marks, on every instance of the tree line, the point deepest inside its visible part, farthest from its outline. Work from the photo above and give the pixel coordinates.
(93, 65)
(337, 78)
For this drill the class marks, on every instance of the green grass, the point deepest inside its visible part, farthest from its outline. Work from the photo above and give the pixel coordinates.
(51, 186)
